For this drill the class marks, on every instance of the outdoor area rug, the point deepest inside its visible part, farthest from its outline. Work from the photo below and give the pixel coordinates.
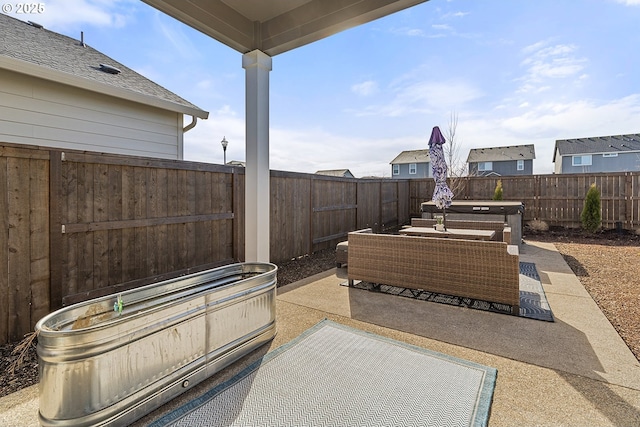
(334, 375)
(533, 301)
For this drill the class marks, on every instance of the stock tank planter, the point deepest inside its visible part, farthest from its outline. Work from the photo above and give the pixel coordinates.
(111, 360)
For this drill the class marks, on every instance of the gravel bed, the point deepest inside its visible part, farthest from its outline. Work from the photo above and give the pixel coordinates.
(611, 275)
(607, 264)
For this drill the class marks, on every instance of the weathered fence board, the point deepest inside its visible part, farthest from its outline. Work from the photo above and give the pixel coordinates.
(39, 237)
(24, 253)
(291, 209)
(368, 201)
(5, 324)
(334, 210)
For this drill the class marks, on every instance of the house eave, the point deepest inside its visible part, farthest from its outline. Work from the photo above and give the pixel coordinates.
(599, 153)
(34, 70)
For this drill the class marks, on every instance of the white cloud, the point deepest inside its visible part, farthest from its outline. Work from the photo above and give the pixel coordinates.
(629, 2)
(365, 88)
(62, 15)
(204, 84)
(544, 123)
(422, 97)
(202, 143)
(407, 31)
(303, 150)
(458, 14)
(174, 33)
(549, 62)
(309, 150)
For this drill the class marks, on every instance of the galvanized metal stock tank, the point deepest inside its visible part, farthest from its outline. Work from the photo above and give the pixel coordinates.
(102, 363)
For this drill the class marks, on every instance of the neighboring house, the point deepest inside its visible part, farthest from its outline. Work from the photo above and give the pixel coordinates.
(237, 163)
(618, 153)
(501, 161)
(343, 173)
(411, 164)
(58, 92)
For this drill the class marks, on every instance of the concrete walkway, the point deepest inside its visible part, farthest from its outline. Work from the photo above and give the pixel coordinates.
(576, 371)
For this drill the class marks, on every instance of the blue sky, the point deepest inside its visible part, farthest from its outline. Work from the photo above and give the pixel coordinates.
(513, 72)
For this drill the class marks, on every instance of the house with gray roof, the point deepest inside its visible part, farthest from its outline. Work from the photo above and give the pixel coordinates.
(342, 173)
(617, 153)
(55, 91)
(501, 161)
(411, 164)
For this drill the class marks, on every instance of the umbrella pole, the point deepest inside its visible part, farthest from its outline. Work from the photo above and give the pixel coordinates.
(444, 218)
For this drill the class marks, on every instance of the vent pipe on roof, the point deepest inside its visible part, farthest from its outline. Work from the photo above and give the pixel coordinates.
(82, 39)
(34, 24)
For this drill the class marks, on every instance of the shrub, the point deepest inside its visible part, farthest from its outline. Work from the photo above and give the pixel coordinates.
(497, 194)
(538, 225)
(591, 217)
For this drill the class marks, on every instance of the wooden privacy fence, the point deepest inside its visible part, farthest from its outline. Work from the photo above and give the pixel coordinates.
(313, 212)
(78, 225)
(117, 220)
(555, 199)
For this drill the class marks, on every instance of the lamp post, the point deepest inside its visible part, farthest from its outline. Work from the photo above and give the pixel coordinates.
(224, 143)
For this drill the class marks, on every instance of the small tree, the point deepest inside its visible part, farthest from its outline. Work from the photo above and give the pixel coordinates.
(456, 166)
(591, 217)
(497, 194)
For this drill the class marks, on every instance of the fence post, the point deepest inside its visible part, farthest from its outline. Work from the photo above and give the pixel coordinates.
(536, 197)
(235, 250)
(55, 230)
(311, 193)
(380, 223)
(628, 201)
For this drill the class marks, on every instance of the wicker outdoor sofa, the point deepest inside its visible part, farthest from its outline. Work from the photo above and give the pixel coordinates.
(484, 270)
(503, 233)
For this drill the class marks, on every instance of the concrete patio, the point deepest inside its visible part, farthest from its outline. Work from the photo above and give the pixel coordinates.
(576, 371)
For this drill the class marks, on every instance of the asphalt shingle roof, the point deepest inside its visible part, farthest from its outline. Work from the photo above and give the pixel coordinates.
(501, 154)
(412, 156)
(50, 50)
(335, 172)
(598, 144)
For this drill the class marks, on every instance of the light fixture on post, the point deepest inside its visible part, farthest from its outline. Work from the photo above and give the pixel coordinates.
(224, 143)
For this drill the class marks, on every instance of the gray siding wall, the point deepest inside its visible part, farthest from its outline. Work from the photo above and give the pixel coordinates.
(423, 170)
(623, 162)
(49, 114)
(509, 168)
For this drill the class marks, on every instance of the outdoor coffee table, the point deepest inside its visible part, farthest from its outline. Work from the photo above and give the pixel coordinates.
(451, 233)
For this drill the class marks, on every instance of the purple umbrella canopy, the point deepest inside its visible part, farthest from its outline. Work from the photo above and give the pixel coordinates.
(442, 194)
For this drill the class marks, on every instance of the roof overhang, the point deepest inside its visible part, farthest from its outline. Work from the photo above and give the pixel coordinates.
(34, 70)
(276, 26)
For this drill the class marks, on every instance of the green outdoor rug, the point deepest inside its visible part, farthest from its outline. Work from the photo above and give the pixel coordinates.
(334, 375)
(533, 300)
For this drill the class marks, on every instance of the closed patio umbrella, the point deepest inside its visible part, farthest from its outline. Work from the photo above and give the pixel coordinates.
(442, 194)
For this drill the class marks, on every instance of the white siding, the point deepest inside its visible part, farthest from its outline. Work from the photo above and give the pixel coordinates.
(40, 112)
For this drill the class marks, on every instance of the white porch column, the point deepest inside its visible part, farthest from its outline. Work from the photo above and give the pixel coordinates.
(257, 65)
